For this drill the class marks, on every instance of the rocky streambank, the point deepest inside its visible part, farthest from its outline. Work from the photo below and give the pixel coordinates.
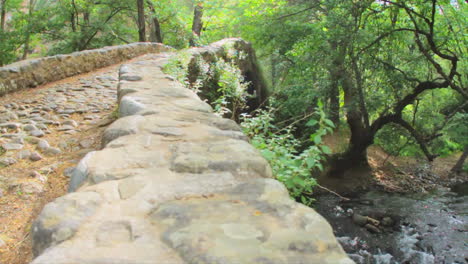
(391, 228)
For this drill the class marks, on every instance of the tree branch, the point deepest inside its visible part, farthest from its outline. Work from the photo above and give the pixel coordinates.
(422, 143)
(298, 12)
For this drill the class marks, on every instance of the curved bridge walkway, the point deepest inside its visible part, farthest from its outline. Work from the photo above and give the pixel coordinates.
(175, 183)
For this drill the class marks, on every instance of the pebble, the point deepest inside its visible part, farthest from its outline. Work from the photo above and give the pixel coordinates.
(52, 151)
(41, 126)
(86, 143)
(43, 144)
(12, 146)
(11, 125)
(7, 161)
(37, 133)
(65, 128)
(35, 156)
(32, 187)
(70, 122)
(18, 140)
(24, 154)
(29, 127)
(34, 174)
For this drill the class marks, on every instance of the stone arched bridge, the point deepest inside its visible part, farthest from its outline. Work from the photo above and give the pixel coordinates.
(173, 183)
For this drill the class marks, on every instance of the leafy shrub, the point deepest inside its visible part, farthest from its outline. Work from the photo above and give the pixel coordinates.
(280, 148)
(220, 82)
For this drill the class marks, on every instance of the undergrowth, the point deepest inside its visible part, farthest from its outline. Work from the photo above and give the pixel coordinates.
(221, 83)
(279, 146)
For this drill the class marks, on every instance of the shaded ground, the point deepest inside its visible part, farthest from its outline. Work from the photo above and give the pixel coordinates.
(393, 174)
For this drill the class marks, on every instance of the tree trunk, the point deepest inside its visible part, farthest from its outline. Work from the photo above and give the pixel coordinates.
(197, 24)
(73, 16)
(141, 21)
(361, 135)
(3, 15)
(155, 34)
(336, 76)
(459, 165)
(28, 31)
(273, 70)
(334, 108)
(86, 19)
(72, 20)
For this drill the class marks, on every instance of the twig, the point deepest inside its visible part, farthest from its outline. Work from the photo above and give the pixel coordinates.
(330, 191)
(19, 243)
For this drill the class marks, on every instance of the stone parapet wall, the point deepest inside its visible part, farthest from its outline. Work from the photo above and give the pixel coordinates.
(34, 72)
(175, 183)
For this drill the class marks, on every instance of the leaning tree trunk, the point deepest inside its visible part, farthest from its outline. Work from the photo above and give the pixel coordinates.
(361, 135)
(197, 24)
(459, 165)
(141, 21)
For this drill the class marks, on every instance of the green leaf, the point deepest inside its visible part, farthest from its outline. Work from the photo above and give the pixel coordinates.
(329, 123)
(318, 139)
(320, 166)
(313, 136)
(310, 162)
(268, 154)
(311, 123)
(320, 104)
(326, 150)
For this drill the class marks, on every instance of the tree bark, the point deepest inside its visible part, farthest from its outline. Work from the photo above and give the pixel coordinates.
(458, 168)
(73, 16)
(3, 15)
(86, 19)
(197, 24)
(335, 78)
(28, 31)
(141, 21)
(155, 34)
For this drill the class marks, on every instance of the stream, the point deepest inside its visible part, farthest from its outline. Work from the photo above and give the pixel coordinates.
(389, 228)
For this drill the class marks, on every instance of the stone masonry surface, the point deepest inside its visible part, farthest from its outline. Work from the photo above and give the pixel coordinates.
(173, 184)
(34, 72)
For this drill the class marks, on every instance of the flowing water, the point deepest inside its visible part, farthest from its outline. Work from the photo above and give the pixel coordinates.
(412, 229)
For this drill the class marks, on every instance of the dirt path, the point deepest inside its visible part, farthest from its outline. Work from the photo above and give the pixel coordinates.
(44, 132)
